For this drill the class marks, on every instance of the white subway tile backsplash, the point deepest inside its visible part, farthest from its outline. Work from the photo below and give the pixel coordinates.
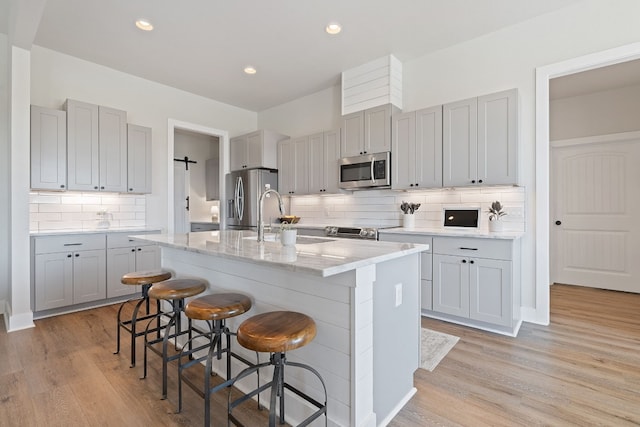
(79, 211)
(382, 207)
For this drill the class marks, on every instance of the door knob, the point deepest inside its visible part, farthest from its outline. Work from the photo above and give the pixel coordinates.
(558, 222)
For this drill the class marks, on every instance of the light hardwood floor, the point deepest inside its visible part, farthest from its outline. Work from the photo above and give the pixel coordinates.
(583, 369)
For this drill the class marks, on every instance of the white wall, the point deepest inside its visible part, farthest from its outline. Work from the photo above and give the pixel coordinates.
(5, 185)
(597, 113)
(501, 60)
(56, 77)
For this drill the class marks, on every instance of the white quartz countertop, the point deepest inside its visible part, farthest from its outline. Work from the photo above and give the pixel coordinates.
(94, 231)
(314, 255)
(458, 232)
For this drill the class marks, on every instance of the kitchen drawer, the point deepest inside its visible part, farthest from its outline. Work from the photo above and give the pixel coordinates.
(69, 243)
(407, 238)
(426, 265)
(122, 240)
(204, 226)
(473, 247)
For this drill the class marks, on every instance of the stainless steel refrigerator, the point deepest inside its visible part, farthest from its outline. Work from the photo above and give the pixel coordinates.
(243, 190)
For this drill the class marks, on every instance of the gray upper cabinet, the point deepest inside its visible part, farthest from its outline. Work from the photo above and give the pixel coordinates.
(255, 150)
(96, 147)
(112, 140)
(48, 149)
(498, 137)
(139, 145)
(367, 131)
(417, 149)
(480, 140)
(82, 146)
(324, 153)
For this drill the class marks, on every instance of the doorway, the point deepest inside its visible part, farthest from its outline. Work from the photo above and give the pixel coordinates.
(542, 227)
(173, 203)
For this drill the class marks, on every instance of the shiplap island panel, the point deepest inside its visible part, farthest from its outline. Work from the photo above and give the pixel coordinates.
(364, 297)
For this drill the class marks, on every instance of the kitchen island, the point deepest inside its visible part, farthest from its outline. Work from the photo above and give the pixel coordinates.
(363, 295)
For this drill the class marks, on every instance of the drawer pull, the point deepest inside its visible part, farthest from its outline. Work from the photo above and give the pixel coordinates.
(73, 244)
(469, 249)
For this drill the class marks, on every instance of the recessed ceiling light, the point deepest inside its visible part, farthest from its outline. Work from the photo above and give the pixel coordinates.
(250, 70)
(333, 28)
(144, 25)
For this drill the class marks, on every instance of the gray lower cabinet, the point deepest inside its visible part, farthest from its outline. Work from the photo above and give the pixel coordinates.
(125, 255)
(69, 270)
(75, 269)
(48, 149)
(473, 279)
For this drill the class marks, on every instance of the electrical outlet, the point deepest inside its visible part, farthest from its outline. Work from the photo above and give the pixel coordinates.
(398, 294)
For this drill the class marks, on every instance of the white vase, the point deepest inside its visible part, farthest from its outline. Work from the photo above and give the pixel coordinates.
(495, 226)
(288, 237)
(408, 221)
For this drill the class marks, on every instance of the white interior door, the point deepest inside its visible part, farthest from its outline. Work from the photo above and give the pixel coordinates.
(595, 237)
(181, 187)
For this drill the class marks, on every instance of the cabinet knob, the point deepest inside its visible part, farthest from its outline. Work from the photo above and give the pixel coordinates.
(62, 186)
(480, 181)
(131, 189)
(410, 185)
(95, 188)
(77, 255)
(558, 222)
(365, 152)
(139, 249)
(471, 262)
(133, 250)
(69, 256)
(361, 152)
(464, 261)
(102, 188)
(473, 181)
(416, 184)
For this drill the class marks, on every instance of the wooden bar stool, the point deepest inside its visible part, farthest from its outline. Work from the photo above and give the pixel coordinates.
(174, 291)
(278, 332)
(144, 279)
(214, 309)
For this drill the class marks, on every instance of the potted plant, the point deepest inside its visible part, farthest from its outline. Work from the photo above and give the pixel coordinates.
(288, 234)
(408, 210)
(495, 213)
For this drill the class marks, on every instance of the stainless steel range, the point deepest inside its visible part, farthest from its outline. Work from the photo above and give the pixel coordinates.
(368, 233)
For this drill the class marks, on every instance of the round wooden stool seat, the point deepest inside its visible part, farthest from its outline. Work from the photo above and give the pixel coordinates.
(177, 289)
(145, 277)
(217, 306)
(276, 331)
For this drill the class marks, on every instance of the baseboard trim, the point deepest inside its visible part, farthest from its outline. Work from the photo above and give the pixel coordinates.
(17, 322)
(398, 407)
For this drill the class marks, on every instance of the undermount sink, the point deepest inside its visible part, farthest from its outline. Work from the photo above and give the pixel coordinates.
(300, 240)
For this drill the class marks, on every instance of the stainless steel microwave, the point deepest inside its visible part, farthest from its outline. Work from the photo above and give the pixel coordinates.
(367, 171)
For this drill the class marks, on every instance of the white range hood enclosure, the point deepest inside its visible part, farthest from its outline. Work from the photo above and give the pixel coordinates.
(375, 83)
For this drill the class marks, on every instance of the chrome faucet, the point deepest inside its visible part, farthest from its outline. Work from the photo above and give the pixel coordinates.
(261, 209)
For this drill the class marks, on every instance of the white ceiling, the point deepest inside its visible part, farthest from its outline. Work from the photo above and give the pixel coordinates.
(604, 78)
(201, 46)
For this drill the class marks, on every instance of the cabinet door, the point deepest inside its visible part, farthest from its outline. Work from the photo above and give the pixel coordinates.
(53, 280)
(498, 138)
(300, 177)
(147, 257)
(254, 150)
(82, 146)
(428, 143)
(285, 166)
(89, 276)
(352, 140)
(317, 163)
(120, 261)
(331, 157)
(490, 291)
(451, 285)
(460, 143)
(377, 129)
(139, 159)
(48, 149)
(112, 140)
(404, 152)
(238, 153)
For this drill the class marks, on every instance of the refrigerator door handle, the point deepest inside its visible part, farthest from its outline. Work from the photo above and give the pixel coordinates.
(240, 197)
